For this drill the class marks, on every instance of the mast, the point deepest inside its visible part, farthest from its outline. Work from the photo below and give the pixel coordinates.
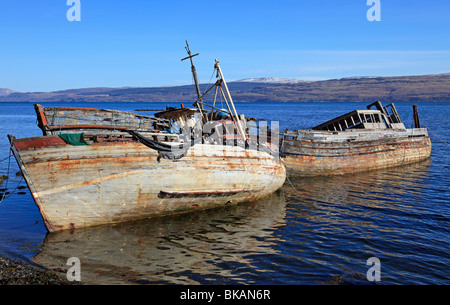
(194, 73)
(199, 104)
(241, 131)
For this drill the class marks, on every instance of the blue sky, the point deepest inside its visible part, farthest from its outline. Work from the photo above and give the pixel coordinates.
(140, 43)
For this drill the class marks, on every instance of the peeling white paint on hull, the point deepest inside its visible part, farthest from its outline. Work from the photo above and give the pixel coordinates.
(79, 186)
(314, 153)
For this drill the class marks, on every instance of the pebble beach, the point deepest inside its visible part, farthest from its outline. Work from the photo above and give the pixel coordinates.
(17, 272)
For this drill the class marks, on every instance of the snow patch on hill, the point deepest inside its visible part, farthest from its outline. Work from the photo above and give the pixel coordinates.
(272, 80)
(6, 91)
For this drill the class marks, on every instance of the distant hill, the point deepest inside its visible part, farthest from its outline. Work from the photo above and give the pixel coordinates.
(5, 91)
(423, 88)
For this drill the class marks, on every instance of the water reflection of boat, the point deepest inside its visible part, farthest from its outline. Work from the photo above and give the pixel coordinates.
(170, 249)
(360, 140)
(341, 221)
(376, 189)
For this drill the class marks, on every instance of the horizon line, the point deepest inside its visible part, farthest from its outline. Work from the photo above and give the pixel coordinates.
(311, 79)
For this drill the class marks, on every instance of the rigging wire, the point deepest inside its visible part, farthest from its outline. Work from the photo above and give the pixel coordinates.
(421, 121)
(4, 158)
(4, 194)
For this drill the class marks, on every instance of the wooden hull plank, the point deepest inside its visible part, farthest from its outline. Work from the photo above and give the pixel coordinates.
(78, 186)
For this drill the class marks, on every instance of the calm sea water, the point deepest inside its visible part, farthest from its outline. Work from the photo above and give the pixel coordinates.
(312, 231)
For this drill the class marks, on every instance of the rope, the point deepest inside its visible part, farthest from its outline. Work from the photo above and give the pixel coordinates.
(166, 151)
(287, 178)
(2, 195)
(434, 133)
(4, 159)
(179, 151)
(9, 165)
(3, 192)
(212, 75)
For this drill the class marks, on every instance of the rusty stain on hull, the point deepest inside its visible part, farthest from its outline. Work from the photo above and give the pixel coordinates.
(336, 147)
(76, 186)
(95, 166)
(318, 162)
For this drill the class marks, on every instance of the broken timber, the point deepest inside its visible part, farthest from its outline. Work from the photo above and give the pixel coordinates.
(96, 166)
(357, 141)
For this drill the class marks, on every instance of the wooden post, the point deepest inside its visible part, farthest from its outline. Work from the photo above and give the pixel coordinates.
(197, 86)
(416, 117)
(214, 103)
(194, 71)
(241, 131)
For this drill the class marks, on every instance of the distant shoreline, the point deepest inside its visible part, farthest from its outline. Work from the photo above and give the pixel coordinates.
(425, 88)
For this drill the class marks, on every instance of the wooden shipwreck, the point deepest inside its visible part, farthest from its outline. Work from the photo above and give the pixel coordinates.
(95, 166)
(357, 141)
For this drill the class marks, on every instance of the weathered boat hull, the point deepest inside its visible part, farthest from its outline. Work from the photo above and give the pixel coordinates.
(79, 186)
(314, 153)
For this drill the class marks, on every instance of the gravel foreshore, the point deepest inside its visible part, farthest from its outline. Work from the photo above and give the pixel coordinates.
(16, 272)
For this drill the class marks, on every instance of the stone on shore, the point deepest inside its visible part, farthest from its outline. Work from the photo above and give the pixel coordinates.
(15, 272)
